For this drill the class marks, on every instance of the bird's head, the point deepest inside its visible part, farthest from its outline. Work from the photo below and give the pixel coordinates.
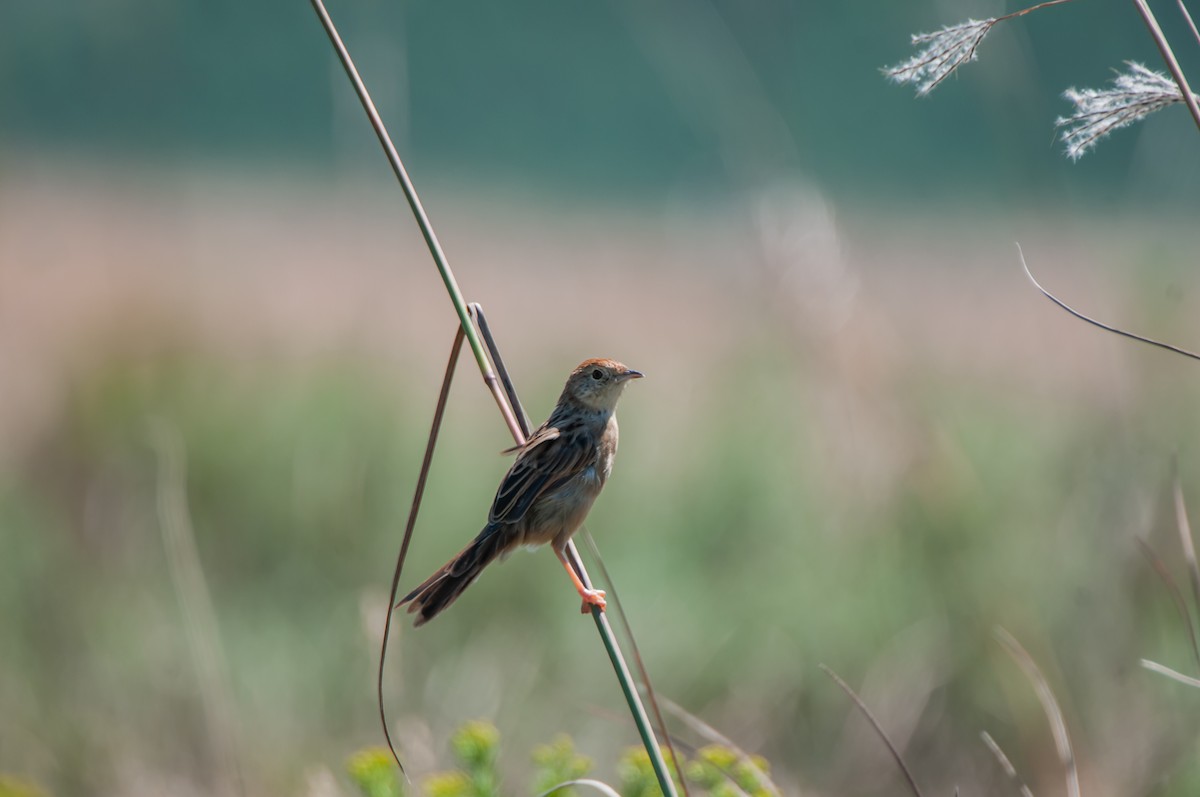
(597, 383)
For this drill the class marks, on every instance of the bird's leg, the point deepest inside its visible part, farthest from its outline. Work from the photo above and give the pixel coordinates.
(591, 597)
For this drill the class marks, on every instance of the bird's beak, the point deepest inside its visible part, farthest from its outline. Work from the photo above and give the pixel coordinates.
(631, 374)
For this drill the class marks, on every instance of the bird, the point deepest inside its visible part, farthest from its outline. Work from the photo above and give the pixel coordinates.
(546, 494)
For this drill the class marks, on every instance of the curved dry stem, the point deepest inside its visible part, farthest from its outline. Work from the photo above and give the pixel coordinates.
(1106, 327)
(1045, 695)
(409, 526)
(598, 785)
(908, 776)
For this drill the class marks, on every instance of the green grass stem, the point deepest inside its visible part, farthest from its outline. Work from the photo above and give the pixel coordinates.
(465, 320)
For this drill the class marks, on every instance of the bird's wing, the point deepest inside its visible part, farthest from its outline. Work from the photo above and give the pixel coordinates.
(548, 459)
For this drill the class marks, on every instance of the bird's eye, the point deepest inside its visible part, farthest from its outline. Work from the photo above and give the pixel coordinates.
(597, 374)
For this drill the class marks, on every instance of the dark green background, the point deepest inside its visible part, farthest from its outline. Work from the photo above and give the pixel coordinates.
(572, 97)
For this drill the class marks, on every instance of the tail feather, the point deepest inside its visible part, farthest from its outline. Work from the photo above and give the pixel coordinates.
(443, 588)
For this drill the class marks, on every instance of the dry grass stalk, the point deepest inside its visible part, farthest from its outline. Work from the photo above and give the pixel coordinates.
(1005, 764)
(908, 776)
(1045, 695)
(1164, 575)
(1174, 675)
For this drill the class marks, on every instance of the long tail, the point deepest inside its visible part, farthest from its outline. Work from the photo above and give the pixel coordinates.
(443, 587)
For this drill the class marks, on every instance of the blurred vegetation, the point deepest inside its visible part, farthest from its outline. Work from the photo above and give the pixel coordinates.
(11, 787)
(742, 567)
(374, 773)
(714, 770)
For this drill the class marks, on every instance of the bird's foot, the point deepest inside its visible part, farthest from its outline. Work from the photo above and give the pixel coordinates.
(592, 597)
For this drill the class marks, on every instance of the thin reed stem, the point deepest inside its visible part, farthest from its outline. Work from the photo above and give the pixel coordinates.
(1187, 15)
(1168, 55)
(406, 184)
(493, 384)
(638, 661)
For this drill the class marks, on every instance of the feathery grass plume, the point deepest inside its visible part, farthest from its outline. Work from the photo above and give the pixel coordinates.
(942, 52)
(949, 48)
(1134, 95)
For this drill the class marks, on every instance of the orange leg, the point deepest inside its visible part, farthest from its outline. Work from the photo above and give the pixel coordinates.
(591, 597)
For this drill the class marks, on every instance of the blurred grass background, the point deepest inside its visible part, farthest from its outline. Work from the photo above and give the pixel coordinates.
(865, 440)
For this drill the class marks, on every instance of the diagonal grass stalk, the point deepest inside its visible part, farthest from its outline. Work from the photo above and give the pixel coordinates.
(1168, 56)
(507, 410)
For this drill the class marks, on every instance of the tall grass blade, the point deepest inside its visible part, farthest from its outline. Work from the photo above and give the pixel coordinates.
(1168, 56)
(195, 603)
(643, 673)
(507, 408)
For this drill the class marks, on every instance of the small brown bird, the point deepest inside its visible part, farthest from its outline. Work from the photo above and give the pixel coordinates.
(547, 492)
